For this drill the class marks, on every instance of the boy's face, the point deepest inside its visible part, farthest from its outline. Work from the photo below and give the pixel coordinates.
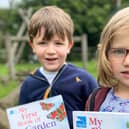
(51, 53)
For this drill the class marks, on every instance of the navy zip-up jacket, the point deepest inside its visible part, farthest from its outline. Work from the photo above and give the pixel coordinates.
(73, 83)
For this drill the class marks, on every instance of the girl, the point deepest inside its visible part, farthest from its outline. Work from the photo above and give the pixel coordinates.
(113, 67)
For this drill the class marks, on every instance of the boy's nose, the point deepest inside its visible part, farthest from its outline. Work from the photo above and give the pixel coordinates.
(50, 48)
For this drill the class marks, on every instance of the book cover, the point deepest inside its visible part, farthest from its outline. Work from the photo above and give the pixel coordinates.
(100, 120)
(44, 114)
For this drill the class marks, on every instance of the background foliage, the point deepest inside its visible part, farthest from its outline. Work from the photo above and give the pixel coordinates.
(89, 16)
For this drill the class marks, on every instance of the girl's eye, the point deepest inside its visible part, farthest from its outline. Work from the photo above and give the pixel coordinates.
(118, 52)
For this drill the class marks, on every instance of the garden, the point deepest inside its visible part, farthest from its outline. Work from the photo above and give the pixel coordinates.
(89, 17)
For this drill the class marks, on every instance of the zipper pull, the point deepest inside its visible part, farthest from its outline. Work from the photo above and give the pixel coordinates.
(47, 92)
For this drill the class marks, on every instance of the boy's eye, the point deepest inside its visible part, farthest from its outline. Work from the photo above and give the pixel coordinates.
(43, 42)
(59, 43)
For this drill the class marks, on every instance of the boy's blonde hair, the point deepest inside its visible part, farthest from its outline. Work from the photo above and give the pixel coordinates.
(116, 25)
(54, 20)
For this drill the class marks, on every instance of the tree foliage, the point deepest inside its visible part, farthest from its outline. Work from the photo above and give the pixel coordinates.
(89, 16)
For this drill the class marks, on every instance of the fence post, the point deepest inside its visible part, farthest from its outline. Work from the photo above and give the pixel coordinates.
(84, 48)
(10, 57)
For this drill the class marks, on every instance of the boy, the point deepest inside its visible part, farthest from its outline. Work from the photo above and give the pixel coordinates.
(51, 32)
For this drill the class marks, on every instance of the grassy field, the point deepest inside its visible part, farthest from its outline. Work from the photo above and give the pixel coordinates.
(7, 86)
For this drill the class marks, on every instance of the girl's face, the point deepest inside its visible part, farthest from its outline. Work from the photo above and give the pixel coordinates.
(51, 53)
(119, 59)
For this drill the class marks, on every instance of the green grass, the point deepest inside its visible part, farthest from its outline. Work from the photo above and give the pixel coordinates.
(6, 88)
(3, 70)
(90, 67)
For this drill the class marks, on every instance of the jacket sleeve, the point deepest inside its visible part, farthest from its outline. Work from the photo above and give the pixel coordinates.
(23, 93)
(89, 85)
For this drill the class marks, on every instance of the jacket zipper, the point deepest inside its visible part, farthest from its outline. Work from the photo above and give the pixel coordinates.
(48, 90)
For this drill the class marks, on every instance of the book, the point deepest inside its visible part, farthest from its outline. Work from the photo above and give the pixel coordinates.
(43, 114)
(100, 120)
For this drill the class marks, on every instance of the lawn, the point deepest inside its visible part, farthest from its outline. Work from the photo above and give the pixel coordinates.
(8, 86)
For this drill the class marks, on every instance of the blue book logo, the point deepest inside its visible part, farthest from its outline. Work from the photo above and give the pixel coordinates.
(81, 121)
(11, 112)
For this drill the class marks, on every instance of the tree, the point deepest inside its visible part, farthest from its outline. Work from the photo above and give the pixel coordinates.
(89, 16)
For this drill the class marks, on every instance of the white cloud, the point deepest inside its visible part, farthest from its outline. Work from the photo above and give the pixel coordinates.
(6, 3)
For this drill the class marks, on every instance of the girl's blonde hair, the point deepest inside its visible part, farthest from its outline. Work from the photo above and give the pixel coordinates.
(54, 20)
(115, 26)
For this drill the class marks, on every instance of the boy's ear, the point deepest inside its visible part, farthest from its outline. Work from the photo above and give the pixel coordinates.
(30, 43)
(70, 46)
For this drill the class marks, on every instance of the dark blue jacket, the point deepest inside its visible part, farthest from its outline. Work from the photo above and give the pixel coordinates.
(73, 83)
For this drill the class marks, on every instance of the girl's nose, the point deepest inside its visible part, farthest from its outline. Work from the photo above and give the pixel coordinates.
(126, 60)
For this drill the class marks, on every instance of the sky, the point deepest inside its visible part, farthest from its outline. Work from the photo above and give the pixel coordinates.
(6, 3)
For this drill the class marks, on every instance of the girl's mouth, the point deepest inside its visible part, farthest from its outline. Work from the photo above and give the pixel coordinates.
(125, 74)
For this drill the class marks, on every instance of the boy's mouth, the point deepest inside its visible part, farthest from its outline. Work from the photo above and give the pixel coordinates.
(51, 59)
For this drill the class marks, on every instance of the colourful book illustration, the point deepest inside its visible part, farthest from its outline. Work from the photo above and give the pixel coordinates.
(100, 120)
(44, 114)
